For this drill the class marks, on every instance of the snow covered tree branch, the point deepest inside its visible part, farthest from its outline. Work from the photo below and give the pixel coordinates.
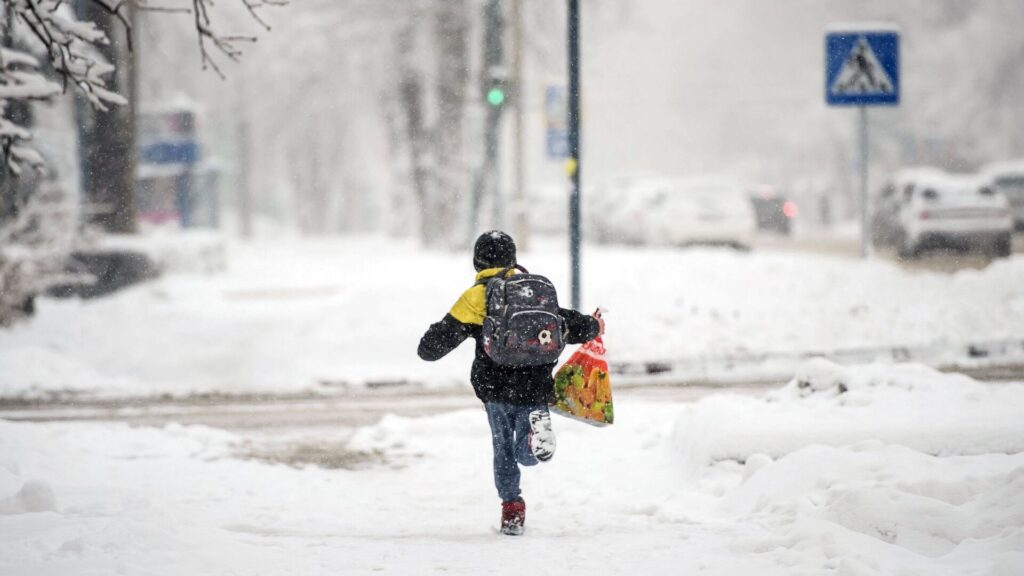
(48, 30)
(68, 44)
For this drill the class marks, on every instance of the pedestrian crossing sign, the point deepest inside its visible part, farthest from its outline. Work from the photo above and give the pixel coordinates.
(862, 66)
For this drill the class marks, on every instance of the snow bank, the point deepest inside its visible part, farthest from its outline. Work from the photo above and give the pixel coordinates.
(864, 470)
(322, 315)
(873, 508)
(826, 404)
(889, 492)
(284, 318)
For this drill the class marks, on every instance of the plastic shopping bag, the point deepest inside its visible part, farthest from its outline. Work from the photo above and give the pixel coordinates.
(583, 387)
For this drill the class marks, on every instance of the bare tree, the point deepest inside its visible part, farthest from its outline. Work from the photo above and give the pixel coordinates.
(398, 67)
(439, 173)
(410, 90)
(107, 133)
(451, 31)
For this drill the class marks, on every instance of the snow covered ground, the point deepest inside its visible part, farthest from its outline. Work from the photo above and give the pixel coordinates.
(906, 471)
(315, 315)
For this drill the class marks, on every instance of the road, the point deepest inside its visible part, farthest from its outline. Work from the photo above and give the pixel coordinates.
(301, 430)
(300, 411)
(947, 261)
(310, 430)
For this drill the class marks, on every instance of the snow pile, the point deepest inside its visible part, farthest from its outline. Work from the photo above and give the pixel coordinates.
(34, 496)
(873, 508)
(826, 404)
(865, 470)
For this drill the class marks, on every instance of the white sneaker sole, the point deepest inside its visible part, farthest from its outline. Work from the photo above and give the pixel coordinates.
(542, 439)
(512, 530)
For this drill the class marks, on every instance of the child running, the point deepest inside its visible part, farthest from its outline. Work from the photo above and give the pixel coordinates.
(515, 395)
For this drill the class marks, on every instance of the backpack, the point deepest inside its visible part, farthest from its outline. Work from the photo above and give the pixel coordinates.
(522, 326)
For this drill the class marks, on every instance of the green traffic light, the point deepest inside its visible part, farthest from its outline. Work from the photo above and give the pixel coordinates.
(496, 96)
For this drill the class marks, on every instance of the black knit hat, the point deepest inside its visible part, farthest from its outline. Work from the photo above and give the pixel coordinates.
(494, 249)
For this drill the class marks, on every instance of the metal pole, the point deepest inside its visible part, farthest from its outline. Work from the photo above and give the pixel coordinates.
(487, 179)
(573, 163)
(521, 225)
(865, 225)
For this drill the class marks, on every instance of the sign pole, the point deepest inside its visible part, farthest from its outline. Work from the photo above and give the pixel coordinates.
(862, 68)
(521, 223)
(573, 162)
(865, 225)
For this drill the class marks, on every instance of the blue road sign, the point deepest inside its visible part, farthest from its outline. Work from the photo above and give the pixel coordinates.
(170, 152)
(557, 143)
(556, 105)
(556, 135)
(862, 68)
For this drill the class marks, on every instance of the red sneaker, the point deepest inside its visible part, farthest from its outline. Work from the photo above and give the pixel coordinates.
(513, 517)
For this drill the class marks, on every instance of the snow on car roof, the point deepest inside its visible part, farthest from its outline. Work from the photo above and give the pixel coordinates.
(1004, 167)
(931, 177)
(955, 183)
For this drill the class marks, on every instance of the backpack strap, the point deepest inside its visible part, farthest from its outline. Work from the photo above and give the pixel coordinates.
(504, 272)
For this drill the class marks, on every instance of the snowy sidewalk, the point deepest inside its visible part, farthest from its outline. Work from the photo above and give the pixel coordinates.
(906, 472)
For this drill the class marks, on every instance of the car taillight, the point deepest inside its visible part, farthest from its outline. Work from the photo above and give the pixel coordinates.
(924, 215)
(789, 209)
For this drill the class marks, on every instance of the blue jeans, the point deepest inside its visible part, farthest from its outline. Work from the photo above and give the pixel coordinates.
(510, 433)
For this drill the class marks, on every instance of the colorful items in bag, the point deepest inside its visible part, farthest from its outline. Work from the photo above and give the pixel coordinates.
(583, 388)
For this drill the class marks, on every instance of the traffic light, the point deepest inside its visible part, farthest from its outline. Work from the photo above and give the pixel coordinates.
(496, 96)
(496, 87)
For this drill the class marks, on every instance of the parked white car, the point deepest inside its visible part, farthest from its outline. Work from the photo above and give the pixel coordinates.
(618, 208)
(1008, 179)
(886, 227)
(712, 211)
(933, 209)
(656, 210)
